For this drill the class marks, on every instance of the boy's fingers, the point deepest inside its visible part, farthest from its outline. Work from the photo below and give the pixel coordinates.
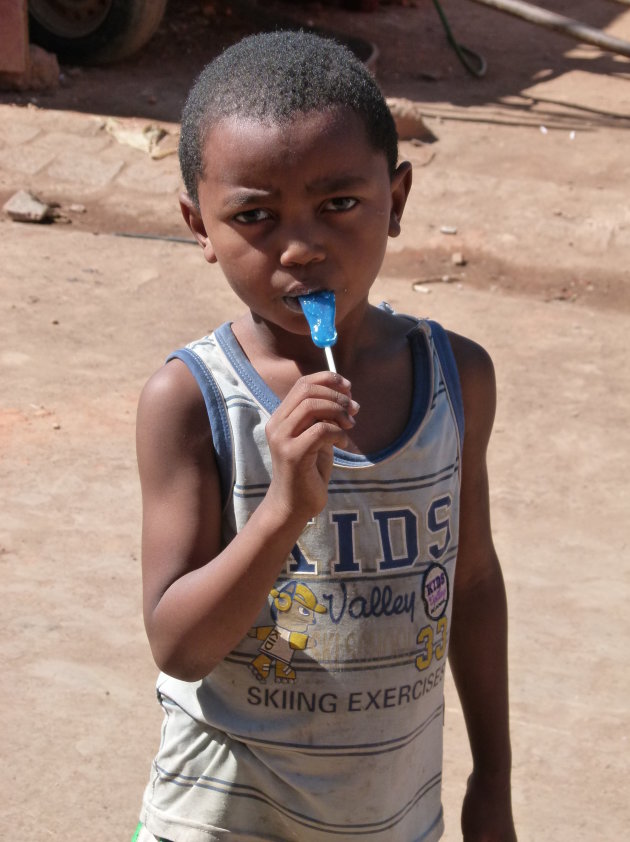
(323, 384)
(308, 414)
(314, 404)
(315, 438)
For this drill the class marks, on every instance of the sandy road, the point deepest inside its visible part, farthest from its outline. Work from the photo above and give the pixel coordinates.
(85, 318)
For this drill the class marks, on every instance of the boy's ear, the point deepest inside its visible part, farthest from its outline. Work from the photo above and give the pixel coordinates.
(192, 218)
(401, 185)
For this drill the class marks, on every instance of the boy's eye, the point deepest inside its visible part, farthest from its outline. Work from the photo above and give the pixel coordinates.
(254, 215)
(341, 203)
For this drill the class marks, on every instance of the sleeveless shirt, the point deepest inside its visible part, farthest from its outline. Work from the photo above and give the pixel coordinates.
(326, 721)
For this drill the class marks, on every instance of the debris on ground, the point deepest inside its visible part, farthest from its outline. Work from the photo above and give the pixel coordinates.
(149, 138)
(25, 207)
(458, 259)
(408, 118)
(438, 279)
(167, 145)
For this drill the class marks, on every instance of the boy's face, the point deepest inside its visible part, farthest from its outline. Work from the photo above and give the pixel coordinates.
(295, 208)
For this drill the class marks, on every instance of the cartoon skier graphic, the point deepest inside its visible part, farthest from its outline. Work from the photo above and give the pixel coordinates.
(293, 610)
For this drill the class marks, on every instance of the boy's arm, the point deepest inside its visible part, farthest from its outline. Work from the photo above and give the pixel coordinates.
(478, 640)
(199, 597)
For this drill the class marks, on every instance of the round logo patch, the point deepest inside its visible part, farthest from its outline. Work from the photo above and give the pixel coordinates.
(435, 591)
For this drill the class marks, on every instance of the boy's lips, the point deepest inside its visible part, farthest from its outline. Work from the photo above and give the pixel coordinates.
(292, 299)
(292, 302)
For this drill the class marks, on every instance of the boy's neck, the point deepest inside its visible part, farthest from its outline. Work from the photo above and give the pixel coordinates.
(268, 348)
(376, 359)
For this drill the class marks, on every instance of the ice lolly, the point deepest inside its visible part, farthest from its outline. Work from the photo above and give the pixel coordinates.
(319, 310)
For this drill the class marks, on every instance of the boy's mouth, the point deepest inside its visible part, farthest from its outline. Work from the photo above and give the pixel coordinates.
(293, 301)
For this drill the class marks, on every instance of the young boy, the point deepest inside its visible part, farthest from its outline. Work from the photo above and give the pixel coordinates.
(301, 527)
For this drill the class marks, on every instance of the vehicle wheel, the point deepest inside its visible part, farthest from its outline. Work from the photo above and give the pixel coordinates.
(93, 31)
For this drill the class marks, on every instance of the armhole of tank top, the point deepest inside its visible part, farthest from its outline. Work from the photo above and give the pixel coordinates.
(450, 374)
(217, 415)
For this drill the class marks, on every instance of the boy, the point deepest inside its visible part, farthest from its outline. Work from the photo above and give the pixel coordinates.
(300, 527)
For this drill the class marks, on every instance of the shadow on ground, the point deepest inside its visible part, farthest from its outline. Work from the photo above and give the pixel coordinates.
(415, 59)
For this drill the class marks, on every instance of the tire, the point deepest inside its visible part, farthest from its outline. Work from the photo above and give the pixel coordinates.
(93, 31)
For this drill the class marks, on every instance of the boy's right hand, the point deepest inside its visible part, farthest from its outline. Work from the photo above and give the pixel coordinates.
(310, 421)
(201, 596)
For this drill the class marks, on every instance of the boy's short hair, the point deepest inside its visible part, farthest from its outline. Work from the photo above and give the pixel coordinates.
(274, 76)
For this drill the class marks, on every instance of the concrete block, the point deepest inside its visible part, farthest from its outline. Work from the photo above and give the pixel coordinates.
(66, 142)
(88, 170)
(25, 207)
(150, 177)
(28, 159)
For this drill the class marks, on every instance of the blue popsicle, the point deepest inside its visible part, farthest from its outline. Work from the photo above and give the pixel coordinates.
(319, 310)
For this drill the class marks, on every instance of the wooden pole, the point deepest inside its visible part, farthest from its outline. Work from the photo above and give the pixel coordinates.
(559, 23)
(14, 56)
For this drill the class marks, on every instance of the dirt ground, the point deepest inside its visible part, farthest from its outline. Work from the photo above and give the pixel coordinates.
(530, 168)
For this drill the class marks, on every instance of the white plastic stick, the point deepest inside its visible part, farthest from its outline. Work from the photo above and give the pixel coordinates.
(329, 359)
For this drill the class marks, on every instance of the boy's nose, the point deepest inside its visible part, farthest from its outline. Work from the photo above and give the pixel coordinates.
(300, 250)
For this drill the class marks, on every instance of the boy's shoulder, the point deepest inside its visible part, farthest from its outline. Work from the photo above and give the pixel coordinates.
(171, 400)
(473, 360)
(478, 384)
(172, 381)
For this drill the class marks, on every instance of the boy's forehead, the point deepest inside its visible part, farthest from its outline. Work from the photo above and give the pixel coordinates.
(241, 140)
(335, 118)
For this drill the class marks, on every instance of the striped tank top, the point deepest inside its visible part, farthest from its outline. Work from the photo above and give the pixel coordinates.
(325, 722)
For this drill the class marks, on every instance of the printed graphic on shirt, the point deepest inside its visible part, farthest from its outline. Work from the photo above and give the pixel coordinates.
(421, 641)
(401, 537)
(435, 591)
(378, 604)
(293, 609)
